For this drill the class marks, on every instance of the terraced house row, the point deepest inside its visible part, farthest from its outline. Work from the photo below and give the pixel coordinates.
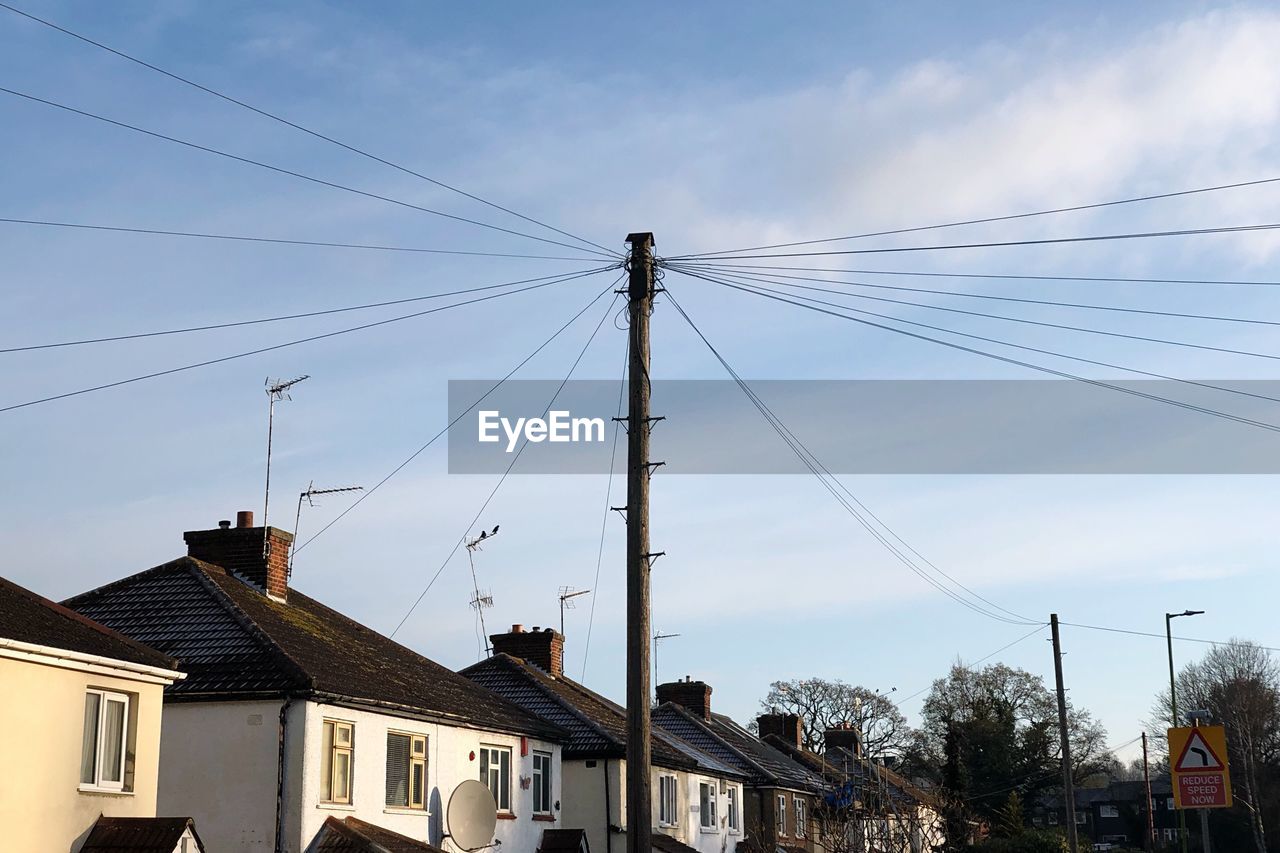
(205, 705)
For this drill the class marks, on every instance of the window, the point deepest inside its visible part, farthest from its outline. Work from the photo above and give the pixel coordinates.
(406, 771)
(802, 815)
(1082, 818)
(707, 804)
(731, 806)
(337, 756)
(1053, 818)
(667, 815)
(1171, 805)
(542, 783)
(780, 816)
(102, 750)
(495, 771)
(1108, 811)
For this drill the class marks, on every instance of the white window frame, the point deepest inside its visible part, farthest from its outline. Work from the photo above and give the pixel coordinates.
(489, 754)
(780, 815)
(1108, 811)
(331, 746)
(668, 800)
(98, 783)
(708, 794)
(731, 808)
(417, 759)
(802, 814)
(542, 782)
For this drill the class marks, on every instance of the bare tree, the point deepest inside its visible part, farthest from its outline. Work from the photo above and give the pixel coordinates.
(822, 704)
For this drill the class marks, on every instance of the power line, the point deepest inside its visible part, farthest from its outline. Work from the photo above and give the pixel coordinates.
(1042, 351)
(1006, 218)
(1078, 278)
(276, 319)
(274, 347)
(291, 173)
(296, 126)
(604, 522)
(1036, 630)
(460, 416)
(816, 467)
(995, 297)
(1187, 232)
(282, 241)
(1162, 636)
(506, 473)
(1147, 339)
(765, 292)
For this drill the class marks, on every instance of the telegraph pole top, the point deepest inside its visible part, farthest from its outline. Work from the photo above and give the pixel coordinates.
(644, 238)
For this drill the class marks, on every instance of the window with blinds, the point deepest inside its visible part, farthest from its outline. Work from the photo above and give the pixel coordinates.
(406, 770)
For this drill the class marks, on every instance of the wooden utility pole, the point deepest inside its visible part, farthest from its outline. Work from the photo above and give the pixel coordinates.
(639, 304)
(1068, 785)
(1151, 807)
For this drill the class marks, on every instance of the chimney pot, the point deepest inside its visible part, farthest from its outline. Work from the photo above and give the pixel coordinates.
(244, 518)
(517, 628)
(224, 524)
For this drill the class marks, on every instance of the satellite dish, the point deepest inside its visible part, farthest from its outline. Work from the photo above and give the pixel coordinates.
(472, 815)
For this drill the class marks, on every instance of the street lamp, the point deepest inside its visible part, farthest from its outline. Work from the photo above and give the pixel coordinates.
(1173, 704)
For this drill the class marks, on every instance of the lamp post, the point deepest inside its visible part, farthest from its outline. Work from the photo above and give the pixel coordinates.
(1173, 705)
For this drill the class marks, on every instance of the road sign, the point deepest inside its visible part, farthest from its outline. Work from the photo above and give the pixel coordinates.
(1198, 759)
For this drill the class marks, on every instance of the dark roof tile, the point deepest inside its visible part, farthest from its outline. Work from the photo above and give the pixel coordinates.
(351, 835)
(30, 618)
(138, 835)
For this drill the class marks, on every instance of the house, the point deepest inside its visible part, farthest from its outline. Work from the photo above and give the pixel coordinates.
(80, 709)
(780, 797)
(1117, 813)
(868, 807)
(143, 835)
(293, 713)
(696, 797)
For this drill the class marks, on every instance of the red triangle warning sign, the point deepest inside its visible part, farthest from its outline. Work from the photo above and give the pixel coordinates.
(1197, 755)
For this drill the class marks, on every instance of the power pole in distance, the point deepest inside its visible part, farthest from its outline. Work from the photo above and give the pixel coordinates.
(639, 305)
(1068, 788)
(1150, 845)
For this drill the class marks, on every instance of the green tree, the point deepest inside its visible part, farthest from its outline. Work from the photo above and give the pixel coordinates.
(1010, 822)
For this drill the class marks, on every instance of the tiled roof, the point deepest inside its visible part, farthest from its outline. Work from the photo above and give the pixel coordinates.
(597, 726)
(564, 841)
(351, 835)
(841, 767)
(138, 835)
(234, 641)
(29, 618)
(666, 844)
(721, 737)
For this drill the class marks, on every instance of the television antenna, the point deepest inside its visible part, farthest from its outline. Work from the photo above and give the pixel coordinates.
(657, 638)
(567, 595)
(277, 390)
(480, 601)
(309, 494)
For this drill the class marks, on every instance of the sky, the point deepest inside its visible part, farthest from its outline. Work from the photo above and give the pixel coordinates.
(715, 126)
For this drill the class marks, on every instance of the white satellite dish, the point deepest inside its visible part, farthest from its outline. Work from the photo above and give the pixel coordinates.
(472, 815)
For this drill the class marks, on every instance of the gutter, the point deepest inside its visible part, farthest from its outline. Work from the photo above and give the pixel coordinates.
(26, 651)
(551, 734)
(284, 711)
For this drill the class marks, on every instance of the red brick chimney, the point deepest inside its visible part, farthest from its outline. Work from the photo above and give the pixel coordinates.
(239, 550)
(785, 726)
(693, 696)
(544, 648)
(844, 736)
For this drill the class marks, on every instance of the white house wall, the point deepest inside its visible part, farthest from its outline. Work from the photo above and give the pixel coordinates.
(218, 765)
(585, 805)
(451, 759)
(688, 828)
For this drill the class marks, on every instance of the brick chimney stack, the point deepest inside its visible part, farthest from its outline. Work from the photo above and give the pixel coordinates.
(544, 648)
(844, 736)
(785, 726)
(693, 696)
(239, 550)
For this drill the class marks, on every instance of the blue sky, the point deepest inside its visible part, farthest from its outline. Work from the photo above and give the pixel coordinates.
(714, 125)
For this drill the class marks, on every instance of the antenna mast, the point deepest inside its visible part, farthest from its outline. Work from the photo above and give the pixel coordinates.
(656, 639)
(480, 601)
(277, 390)
(308, 494)
(567, 595)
